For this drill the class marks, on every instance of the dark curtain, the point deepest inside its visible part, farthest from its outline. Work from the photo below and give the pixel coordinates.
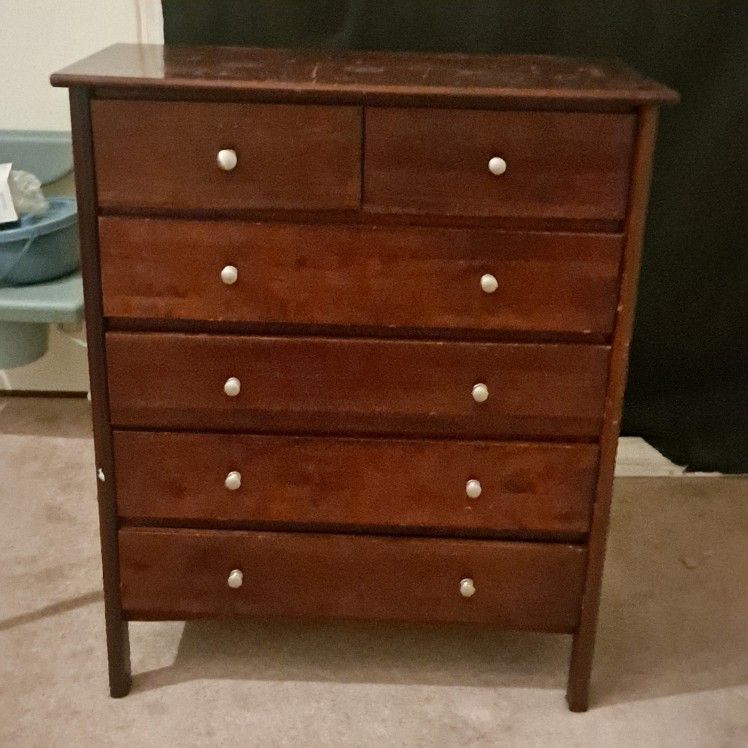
(688, 382)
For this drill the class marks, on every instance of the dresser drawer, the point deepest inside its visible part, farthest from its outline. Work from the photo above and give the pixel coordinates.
(329, 483)
(350, 386)
(369, 277)
(163, 155)
(184, 573)
(558, 165)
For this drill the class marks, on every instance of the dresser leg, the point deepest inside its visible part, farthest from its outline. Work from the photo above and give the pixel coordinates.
(580, 669)
(118, 652)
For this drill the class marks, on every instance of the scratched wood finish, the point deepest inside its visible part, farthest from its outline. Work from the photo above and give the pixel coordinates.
(182, 574)
(163, 155)
(349, 386)
(559, 165)
(362, 276)
(381, 485)
(412, 77)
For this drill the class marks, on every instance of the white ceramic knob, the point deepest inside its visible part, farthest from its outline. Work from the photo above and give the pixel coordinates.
(233, 480)
(488, 283)
(480, 392)
(467, 587)
(226, 159)
(235, 580)
(473, 488)
(230, 274)
(232, 387)
(496, 165)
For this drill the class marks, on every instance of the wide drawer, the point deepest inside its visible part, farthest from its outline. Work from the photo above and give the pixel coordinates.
(333, 483)
(371, 277)
(163, 155)
(354, 386)
(559, 165)
(183, 574)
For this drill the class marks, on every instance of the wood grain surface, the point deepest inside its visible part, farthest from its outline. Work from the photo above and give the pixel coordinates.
(311, 75)
(183, 574)
(559, 165)
(350, 484)
(353, 386)
(363, 276)
(163, 155)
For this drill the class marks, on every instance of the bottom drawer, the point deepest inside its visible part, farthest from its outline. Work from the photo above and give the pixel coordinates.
(184, 574)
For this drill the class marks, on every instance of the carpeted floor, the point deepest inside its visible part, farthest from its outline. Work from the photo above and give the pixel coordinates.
(671, 667)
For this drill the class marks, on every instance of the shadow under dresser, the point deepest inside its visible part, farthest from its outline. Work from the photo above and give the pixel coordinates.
(358, 327)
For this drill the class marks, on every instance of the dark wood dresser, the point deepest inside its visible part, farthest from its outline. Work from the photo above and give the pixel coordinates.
(358, 327)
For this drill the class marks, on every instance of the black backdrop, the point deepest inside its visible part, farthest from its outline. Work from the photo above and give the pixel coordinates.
(688, 383)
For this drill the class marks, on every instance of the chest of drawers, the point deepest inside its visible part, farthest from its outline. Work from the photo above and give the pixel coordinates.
(358, 328)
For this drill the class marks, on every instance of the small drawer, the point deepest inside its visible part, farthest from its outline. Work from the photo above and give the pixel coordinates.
(184, 574)
(355, 386)
(546, 165)
(178, 156)
(368, 277)
(486, 488)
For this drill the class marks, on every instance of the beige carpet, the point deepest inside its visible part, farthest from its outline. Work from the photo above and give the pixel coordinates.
(671, 665)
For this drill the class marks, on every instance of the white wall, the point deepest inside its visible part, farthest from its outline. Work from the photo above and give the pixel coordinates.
(38, 37)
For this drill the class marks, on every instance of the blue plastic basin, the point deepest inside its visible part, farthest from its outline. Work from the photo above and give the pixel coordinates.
(41, 248)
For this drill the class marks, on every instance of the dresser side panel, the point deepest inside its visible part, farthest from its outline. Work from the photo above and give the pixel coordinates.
(85, 179)
(584, 638)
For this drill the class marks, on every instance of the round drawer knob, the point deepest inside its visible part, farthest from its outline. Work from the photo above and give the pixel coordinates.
(488, 283)
(226, 159)
(467, 587)
(480, 392)
(236, 579)
(230, 274)
(473, 488)
(232, 387)
(233, 480)
(496, 165)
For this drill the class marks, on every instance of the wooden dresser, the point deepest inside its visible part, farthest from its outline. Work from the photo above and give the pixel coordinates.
(358, 328)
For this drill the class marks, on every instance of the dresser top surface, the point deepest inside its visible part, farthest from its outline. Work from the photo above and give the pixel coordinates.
(365, 75)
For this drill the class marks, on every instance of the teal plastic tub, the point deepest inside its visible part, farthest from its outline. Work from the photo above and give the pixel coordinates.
(37, 249)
